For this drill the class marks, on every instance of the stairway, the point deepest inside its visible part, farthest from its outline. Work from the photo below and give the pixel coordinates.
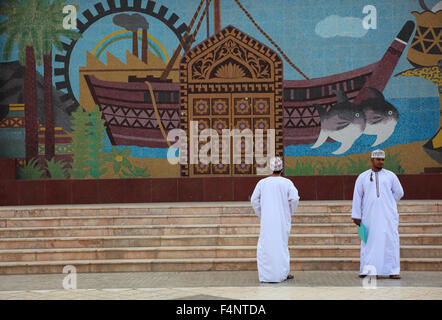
(198, 237)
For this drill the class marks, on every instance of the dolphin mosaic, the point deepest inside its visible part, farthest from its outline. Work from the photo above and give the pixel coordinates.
(346, 121)
(381, 116)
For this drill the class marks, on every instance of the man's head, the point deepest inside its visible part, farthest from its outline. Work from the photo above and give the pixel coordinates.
(377, 159)
(276, 165)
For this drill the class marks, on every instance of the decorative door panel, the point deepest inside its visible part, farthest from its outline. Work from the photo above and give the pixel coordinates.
(231, 81)
(240, 111)
(210, 113)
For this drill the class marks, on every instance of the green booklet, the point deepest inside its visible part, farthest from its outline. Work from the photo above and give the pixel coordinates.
(363, 232)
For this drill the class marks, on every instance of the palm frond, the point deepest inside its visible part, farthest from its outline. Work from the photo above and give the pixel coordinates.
(35, 23)
(7, 7)
(303, 167)
(32, 5)
(4, 26)
(74, 35)
(58, 46)
(356, 166)
(9, 45)
(329, 168)
(56, 169)
(43, 4)
(9, 3)
(30, 171)
(56, 4)
(21, 43)
(392, 162)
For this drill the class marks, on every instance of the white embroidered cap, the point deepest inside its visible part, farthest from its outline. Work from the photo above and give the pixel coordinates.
(276, 164)
(378, 154)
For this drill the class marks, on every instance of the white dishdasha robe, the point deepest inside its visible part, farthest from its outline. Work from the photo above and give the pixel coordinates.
(274, 200)
(375, 203)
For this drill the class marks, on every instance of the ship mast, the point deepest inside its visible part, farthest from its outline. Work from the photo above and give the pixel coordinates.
(144, 45)
(207, 19)
(217, 15)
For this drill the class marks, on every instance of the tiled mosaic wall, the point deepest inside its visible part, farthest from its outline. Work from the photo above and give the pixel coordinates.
(335, 79)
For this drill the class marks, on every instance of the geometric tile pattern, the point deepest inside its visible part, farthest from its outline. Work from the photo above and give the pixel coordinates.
(59, 149)
(14, 122)
(428, 40)
(140, 118)
(301, 117)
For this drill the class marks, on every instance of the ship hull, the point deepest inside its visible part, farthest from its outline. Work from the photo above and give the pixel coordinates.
(129, 111)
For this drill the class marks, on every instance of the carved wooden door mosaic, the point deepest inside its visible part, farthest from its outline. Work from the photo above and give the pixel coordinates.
(209, 112)
(240, 111)
(230, 82)
(252, 111)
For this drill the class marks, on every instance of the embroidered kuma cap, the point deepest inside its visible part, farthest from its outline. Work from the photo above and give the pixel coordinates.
(276, 164)
(378, 154)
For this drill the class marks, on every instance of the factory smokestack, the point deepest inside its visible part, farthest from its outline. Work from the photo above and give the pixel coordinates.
(144, 45)
(133, 23)
(135, 43)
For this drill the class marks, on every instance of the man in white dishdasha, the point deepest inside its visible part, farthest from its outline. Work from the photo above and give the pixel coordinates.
(274, 200)
(375, 198)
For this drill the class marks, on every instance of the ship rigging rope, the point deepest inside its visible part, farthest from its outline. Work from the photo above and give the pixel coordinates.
(198, 25)
(192, 22)
(270, 39)
(172, 61)
(181, 44)
(157, 114)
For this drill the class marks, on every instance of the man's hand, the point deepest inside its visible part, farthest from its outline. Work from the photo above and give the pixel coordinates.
(357, 221)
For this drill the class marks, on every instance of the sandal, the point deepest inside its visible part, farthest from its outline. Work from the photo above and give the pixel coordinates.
(290, 276)
(395, 276)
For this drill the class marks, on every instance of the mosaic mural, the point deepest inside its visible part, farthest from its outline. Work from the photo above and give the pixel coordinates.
(93, 89)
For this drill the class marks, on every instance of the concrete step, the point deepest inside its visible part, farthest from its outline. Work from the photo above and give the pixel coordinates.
(123, 210)
(199, 229)
(195, 219)
(405, 206)
(183, 252)
(408, 217)
(198, 236)
(145, 220)
(209, 264)
(199, 240)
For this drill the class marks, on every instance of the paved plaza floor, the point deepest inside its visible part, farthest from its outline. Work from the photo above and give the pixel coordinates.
(214, 285)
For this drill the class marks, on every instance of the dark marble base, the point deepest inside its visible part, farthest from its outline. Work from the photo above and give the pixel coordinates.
(41, 192)
(7, 169)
